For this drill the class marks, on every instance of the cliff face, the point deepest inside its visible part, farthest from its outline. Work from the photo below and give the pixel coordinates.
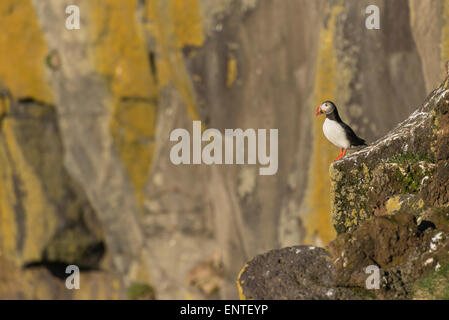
(85, 116)
(390, 210)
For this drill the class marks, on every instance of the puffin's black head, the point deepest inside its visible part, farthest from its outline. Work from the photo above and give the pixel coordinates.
(327, 107)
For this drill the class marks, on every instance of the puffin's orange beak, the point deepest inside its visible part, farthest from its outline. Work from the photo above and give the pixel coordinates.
(318, 111)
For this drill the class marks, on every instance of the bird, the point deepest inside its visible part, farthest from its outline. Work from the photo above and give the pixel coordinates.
(336, 131)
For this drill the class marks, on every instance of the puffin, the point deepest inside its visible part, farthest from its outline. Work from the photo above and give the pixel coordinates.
(336, 131)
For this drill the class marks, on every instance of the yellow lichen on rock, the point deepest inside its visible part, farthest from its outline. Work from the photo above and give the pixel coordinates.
(5, 106)
(26, 213)
(188, 28)
(121, 58)
(171, 34)
(22, 52)
(318, 220)
(8, 226)
(334, 177)
(232, 71)
(120, 50)
(132, 126)
(393, 204)
(239, 285)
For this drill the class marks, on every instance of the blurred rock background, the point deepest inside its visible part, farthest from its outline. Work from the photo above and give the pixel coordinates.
(85, 118)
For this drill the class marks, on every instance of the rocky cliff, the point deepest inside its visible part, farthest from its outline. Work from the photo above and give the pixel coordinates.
(85, 116)
(390, 209)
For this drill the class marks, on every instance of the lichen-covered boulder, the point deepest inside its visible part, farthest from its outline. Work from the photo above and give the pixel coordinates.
(300, 272)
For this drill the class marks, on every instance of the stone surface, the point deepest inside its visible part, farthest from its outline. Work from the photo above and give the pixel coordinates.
(300, 272)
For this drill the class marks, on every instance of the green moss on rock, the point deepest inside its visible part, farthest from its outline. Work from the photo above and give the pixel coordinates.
(433, 285)
(411, 158)
(140, 291)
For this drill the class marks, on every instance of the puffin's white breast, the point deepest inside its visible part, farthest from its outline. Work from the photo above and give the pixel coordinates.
(335, 133)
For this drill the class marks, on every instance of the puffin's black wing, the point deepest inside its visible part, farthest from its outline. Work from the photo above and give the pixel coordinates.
(352, 137)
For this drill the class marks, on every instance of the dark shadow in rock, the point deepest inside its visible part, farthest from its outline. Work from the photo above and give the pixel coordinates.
(424, 225)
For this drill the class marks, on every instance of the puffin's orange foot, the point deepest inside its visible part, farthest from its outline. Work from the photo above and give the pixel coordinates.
(339, 155)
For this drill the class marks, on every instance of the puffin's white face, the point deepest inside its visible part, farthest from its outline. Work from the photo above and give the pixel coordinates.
(325, 108)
